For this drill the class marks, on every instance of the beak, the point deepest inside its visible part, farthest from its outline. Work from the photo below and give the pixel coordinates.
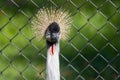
(52, 38)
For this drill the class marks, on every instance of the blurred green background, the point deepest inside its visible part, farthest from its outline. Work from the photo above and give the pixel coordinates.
(91, 53)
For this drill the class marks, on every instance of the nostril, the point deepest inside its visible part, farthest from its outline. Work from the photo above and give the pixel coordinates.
(54, 39)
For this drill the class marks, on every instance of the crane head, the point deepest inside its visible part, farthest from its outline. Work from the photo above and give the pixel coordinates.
(52, 33)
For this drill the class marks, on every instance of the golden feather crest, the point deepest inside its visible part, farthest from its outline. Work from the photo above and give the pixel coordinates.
(46, 16)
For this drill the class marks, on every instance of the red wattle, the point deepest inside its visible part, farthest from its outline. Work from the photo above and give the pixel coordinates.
(52, 49)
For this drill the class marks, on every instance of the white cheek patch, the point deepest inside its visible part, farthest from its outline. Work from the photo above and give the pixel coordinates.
(47, 34)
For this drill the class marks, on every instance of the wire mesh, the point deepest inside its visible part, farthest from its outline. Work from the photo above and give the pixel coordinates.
(91, 53)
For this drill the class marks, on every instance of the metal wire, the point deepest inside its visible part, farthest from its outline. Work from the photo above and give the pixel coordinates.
(91, 53)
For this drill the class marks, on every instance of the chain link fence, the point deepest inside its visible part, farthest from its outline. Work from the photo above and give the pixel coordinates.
(91, 53)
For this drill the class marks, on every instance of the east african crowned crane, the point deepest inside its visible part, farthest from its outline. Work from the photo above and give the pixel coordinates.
(52, 40)
(52, 24)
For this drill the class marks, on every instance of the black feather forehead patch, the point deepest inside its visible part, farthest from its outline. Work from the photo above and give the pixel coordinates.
(54, 27)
